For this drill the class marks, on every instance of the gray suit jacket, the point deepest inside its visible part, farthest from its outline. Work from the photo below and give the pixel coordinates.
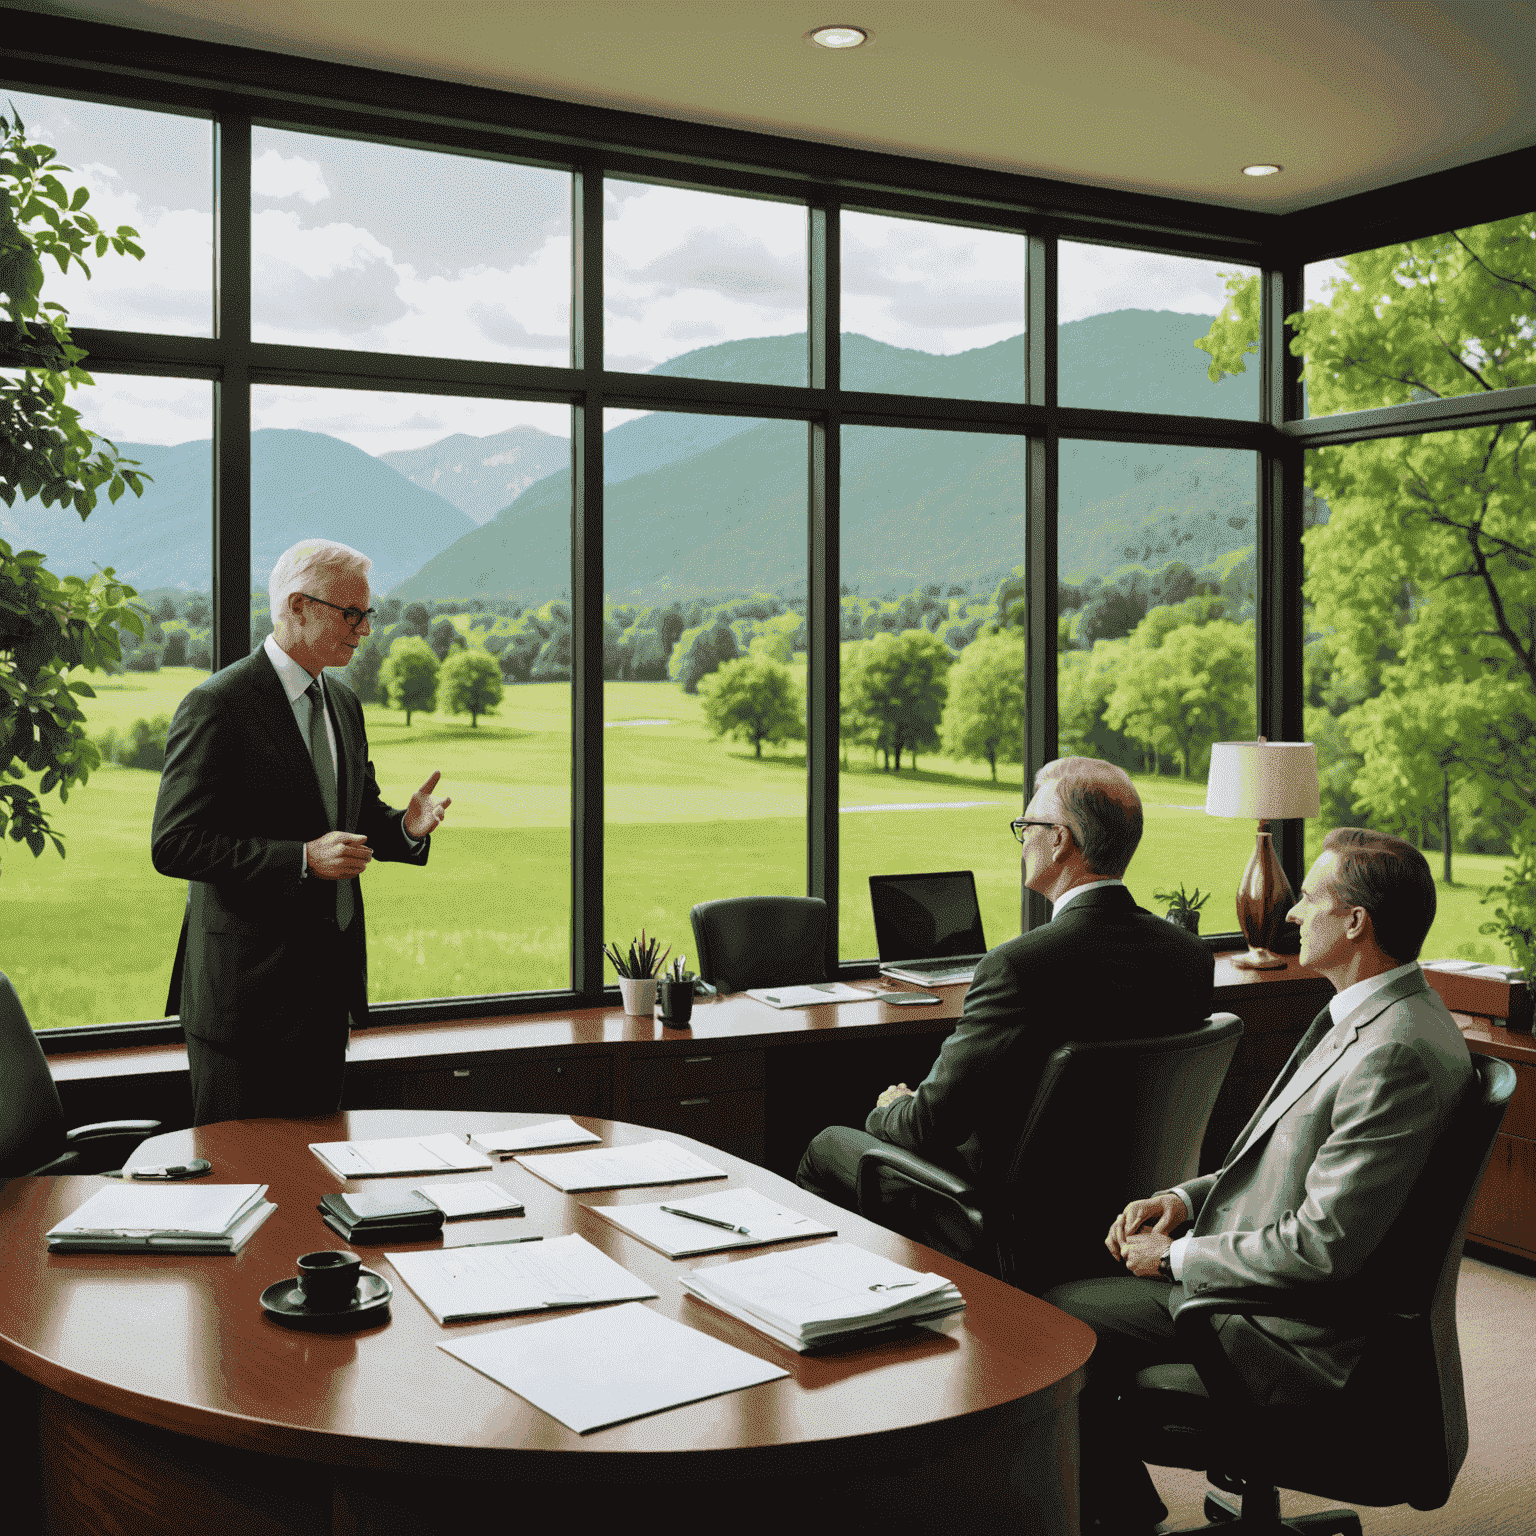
(1321, 1172)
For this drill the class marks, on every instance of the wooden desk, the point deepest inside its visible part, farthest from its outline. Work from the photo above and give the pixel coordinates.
(166, 1401)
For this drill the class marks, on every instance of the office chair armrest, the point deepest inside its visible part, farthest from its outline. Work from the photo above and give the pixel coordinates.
(915, 1170)
(102, 1129)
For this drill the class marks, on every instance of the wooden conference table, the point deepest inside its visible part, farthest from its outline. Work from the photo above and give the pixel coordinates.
(160, 1398)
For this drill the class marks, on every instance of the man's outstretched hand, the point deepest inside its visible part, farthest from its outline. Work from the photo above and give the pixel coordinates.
(424, 814)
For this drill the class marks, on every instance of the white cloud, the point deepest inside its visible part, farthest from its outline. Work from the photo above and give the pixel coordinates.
(275, 175)
(131, 409)
(1095, 279)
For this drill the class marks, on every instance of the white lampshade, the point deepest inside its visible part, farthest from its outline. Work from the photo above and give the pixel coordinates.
(1263, 780)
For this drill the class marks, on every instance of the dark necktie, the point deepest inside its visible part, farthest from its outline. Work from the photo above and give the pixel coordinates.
(325, 771)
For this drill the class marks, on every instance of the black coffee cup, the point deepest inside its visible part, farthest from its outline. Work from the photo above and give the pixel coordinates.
(329, 1278)
(676, 1001)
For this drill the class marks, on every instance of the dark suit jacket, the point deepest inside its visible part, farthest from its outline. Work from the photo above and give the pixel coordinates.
(1104, 970)
(264, 962)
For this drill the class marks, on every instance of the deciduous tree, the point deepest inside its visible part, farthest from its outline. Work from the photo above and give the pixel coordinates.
(756, 699)
(897, 685)
(471, 684)
(984, 715)
(408, 678)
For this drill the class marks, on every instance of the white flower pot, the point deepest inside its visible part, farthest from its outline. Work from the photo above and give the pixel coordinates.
(639, 994)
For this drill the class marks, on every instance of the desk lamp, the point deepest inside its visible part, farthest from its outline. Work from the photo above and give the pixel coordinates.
(1265, 781)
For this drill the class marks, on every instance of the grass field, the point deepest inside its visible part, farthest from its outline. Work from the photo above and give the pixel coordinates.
(89, 939)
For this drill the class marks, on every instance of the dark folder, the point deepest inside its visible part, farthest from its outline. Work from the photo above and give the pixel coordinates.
(381, 1216)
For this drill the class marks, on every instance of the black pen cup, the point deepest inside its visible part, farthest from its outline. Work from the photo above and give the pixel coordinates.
(329, 1278)
(676, 1001)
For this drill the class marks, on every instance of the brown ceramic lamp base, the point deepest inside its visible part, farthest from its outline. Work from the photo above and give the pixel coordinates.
(1263, 899)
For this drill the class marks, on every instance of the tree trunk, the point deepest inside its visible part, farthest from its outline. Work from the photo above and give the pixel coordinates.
(1445, 822)
(898, 757)
(992, 759)
(757, 741)
(407, 719)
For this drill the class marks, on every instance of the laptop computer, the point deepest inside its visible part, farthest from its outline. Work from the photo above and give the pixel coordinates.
(927, 927)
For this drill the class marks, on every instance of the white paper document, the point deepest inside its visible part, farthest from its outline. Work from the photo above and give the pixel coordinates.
(647, 1162)
(478, 1199)
(812, 995)
(765, 1221)
(529, 1138)
(822, 1295)
(180, 1218)
(498, 1279)
(401, 1154)
(602, 1368)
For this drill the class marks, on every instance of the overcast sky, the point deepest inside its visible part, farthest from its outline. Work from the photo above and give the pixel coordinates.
(372, 247)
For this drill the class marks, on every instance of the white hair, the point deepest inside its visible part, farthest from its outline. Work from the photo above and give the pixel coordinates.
(298, 568)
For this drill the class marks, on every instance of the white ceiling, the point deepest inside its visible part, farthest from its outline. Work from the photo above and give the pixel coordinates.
(1158, 96)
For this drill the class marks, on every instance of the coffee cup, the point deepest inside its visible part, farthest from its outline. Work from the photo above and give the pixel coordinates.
(676, 1001)
(329, 1278)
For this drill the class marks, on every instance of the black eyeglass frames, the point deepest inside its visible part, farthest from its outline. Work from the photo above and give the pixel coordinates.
(353, 616)
(1019, 823)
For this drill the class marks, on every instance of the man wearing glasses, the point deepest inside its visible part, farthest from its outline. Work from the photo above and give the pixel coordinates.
(269, 810)
(1102, 969)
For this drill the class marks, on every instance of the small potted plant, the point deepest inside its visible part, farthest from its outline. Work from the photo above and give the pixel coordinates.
(638, 967)
(1514, 924)
(1184, 908)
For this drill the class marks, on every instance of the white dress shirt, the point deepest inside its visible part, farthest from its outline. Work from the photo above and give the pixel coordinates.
(1062, 902)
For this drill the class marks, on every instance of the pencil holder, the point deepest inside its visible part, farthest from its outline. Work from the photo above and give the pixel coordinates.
(676, 1001)
(639, 994)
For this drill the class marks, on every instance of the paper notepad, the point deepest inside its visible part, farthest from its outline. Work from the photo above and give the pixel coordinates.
(180, 1218)
(401, 1154)
(766, 1221)
(605, 1367)
(529, 1138)
(647, 1162)
(498, 1279)
(812, 995)
(479, 1199)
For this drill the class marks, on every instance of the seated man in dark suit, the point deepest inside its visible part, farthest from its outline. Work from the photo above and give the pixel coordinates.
(1311, 1185)
(1102, 969)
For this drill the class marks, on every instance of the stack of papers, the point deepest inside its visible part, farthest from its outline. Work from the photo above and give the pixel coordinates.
(831, 1294)
(745, 1219)
(647, 1162)
(529, 1138)
(173, 1218)
(456, 1201)
(497, 1279)
(812, 995)
(605, 1367)
(402, 1154)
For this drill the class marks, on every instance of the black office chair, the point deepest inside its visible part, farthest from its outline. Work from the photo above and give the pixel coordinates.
(32, 1134)
(1110, 1120)
(761, 941)
(1396, 1433)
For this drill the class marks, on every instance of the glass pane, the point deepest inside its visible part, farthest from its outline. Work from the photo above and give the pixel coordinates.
(704, 656)
(463, 592)
(1132, 325)
(1421, 603)
(154, 172)
(1450, 315)
(702, 285)
(1155, 657)
(90, 938)
(932, 708)
(932, 309)
(382, 249)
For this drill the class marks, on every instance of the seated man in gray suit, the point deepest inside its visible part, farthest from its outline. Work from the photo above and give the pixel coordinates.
(1102, 969)
(1311, 1185)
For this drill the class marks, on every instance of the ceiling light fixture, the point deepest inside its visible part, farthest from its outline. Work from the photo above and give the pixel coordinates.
(839, 37)
(1261, 170)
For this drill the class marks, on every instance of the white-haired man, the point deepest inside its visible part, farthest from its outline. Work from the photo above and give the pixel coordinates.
(269, 809)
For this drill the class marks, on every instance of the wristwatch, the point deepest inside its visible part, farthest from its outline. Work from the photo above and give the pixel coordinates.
(1165, 1269)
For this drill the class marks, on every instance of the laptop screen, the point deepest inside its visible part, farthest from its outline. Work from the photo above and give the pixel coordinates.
(926, 917)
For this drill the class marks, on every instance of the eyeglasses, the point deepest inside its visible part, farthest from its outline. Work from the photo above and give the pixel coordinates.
(353, 616)
(1021, 822)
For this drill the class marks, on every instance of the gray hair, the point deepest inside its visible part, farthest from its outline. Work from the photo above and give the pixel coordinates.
(309, 559)
(1101, 808)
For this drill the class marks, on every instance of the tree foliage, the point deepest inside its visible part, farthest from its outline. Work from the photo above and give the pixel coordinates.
(756, 699)
(984, 715)
(49, 625)
(895, 691)
(408, 678)
(471, 684)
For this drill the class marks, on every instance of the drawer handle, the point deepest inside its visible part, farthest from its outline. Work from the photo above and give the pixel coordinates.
(461, 1071)
(690, 1103)
(693, 1061)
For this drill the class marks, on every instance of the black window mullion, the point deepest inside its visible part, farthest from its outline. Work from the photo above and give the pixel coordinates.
(824, 571)
(587, 588)
(232, 392)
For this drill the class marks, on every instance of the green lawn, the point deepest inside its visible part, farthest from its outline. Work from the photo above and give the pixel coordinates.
(89, 939)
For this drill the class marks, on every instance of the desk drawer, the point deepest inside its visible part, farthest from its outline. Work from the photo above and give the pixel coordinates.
(709, 1116)
(1520, 1119)
(1505, 1212)
(575, 1086)
(683, 1075)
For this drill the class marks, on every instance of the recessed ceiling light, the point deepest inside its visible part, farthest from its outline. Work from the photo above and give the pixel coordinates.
(1261, 170)
(839, 37)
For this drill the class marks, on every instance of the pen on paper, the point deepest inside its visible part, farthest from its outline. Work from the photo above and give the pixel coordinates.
(498, 1242)
(768, 997)
(709, 1221)
(901, 1286)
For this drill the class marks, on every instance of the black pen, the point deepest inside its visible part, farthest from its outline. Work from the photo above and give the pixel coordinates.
(709, 1221)
(497, 1242)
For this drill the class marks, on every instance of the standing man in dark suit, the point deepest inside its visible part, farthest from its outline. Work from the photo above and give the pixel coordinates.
(1312, 1184)
(1102, 969)
(269, 809)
